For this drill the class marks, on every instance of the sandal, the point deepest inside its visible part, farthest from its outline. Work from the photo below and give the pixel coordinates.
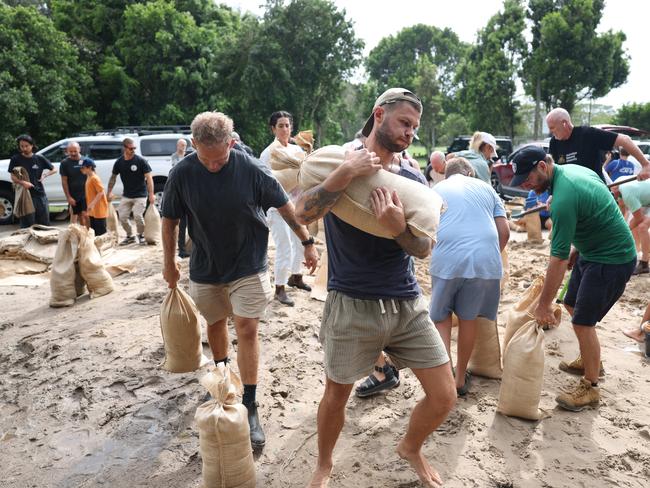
(462, 391)
(371, 385)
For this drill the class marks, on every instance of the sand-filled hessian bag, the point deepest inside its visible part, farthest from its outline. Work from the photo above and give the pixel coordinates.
(224, 436)
(422, 205)
(486, 355)
(62, 274)
(152, 225)
(181, 332)
(98, 280)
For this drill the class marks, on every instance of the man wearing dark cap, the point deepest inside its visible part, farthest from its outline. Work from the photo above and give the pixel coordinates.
(374, 302)
(35, 165)
(591, 236)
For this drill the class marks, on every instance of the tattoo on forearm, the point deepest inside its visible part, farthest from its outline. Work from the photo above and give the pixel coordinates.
(111, 182)
(420, 247)
(318, 201)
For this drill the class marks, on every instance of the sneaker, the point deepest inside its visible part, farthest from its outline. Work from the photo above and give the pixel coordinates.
(141, 240)
(584, 395)
(371, 385)
(258, 439)
(641, 268)
(576, 367)
(128, 240)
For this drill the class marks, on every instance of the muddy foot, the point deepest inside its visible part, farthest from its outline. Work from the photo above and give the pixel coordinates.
(428, 476)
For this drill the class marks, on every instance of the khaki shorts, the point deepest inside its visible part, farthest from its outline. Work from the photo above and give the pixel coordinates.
(353, 333)
(246, 297)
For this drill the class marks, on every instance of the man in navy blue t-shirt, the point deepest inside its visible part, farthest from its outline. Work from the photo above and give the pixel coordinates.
(374, 301)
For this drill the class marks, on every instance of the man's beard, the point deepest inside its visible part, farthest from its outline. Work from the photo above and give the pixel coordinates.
(543, 186)
(385, 140)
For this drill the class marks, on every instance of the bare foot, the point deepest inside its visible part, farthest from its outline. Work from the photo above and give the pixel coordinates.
(320, 478)
(428, 476)
(635, 334)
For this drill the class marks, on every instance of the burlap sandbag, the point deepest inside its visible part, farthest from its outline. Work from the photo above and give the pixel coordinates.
(181, 332)
(486, 355)
(305, 139)
(62, 274)
(152, 225)
(288, 178)
(91, 267)
(524, 309)
(112, 222)
(422, 205)
(23, 203)
(533, 227)
(523, 373)
(224, 435)
(79, 282)
(285, 158)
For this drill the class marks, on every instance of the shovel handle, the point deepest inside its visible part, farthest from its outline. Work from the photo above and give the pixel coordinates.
(622, 182)
(529, 211)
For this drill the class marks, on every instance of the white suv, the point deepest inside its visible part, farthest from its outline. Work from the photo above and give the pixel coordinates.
(104, 150)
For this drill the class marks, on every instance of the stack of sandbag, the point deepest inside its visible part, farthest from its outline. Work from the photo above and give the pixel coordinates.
(181, 331)
(63, 275)
(523, 358)
(23, 203)
(152, 225)
(422, 205)
(112, 222)
(285, 164)
(224, 435)
(91, 268)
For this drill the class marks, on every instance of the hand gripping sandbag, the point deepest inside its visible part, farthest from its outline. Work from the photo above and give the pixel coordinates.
(152, 225)
(63, 274)
(224, 436)
(181, 332)
(23, 203)
(523, 373)
(486, 355)
(98, 280)
(422, 205)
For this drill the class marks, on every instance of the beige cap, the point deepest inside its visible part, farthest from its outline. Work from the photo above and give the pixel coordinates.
(391, 95)
(489, 139)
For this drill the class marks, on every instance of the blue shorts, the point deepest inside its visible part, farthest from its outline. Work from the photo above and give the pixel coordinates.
(468, 298)
(594, 288)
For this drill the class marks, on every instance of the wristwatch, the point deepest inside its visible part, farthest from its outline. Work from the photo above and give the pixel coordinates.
(308, 242)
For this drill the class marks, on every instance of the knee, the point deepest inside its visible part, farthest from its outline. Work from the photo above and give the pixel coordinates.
(247, 331)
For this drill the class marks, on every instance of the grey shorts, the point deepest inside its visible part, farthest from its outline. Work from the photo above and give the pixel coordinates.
(246, 297)
(353, 332)
(466, 297)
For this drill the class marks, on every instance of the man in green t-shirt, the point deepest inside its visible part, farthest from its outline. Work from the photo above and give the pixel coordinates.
(590, 236)
(636, 197)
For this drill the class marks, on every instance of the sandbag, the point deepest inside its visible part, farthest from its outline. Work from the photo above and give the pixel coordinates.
(285, 158)
(92, 270)
(305, 139)
(533, 227)
(523, 373)
(523, 310)
(422, 205)
(288, 178)
(79, 282)
(152, 225)
(224, 435)
(486, 355)
(181, 332)
(44, 234)
(23, 203)
(112, 222)
(62, 274)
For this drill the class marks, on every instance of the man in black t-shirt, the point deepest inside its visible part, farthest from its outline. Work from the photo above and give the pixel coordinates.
(584, 145)
(35, 165)
(74, 183)
(224, 194)
(137, 183)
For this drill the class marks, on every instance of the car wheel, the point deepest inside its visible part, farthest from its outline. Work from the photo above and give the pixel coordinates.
(158, 195)
(6, 207)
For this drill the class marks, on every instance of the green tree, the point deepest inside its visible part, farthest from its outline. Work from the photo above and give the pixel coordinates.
(635, 115)
(427, 88)
(487, 74)
(42, 83)
(454, 125)
(569, 61)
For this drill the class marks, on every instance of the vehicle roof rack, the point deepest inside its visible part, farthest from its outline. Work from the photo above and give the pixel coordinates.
(140, 130)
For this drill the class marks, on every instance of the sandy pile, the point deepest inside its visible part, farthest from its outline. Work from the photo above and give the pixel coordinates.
(84, 403)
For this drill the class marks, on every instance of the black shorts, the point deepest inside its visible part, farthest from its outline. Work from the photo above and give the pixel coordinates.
(594, 288)
(80, 206)
(544, 219)
(98, 225)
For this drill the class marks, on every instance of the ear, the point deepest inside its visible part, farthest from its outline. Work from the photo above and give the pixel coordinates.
(379, 114)
(232, 143)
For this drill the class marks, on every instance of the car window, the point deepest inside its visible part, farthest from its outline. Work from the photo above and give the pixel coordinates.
(55, 154)
(459, 145)
(159, 147)
(100, 151)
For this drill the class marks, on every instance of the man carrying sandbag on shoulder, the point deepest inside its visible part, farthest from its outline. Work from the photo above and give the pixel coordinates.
(374, 302)
(603, 258)
(225, 195)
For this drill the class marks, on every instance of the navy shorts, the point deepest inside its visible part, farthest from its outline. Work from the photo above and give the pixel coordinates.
(466, 297)
(594, 288)
(80, 206)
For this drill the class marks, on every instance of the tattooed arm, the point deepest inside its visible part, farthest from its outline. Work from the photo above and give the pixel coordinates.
(111, 184)
(420, 247)
(314, 203)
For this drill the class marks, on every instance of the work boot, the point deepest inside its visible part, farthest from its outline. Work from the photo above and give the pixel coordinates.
(584, 395)
(257, 434)
(281, 296)
(127, 240)
(576, 367)
(641, 268)
(295, 281)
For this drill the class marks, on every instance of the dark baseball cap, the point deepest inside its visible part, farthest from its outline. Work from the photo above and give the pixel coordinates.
(88, 163)
(524, 161)
(392, 95)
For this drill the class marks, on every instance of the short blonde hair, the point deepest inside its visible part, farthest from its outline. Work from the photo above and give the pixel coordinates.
(212, 128)
(459, 166)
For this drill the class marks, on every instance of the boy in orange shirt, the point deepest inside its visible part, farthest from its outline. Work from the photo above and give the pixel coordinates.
(95, 198)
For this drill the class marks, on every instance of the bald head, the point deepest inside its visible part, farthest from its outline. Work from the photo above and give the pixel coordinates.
(437, 161)
(559, 123)
(74, 150)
